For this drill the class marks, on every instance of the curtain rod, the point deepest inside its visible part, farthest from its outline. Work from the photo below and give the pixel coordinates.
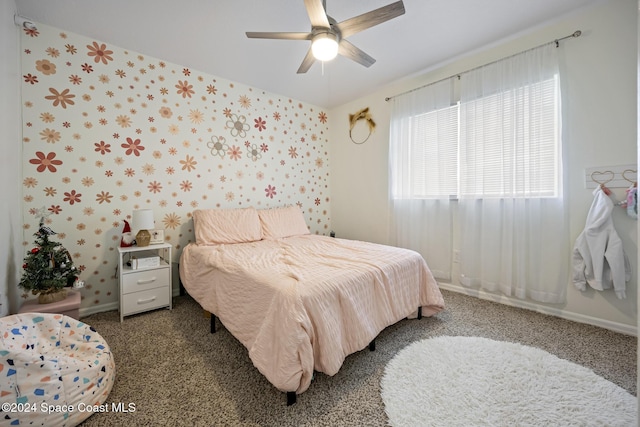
(576, 33)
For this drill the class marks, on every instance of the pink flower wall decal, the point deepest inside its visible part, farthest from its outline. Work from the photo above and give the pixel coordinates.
(185, 89)
(154, 187)
(100, 53)
(271, 191)
(132, 147)
(103, 197)
(31, 32)
(260, 124)
(45, 161)
(46, 67)
(235, 153)
(102, 147)
(188, 164)
(28, 78)
(72, 197)
(171, 221)
(60, 98)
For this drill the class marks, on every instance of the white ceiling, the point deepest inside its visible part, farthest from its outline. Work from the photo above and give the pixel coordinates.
(209, 36)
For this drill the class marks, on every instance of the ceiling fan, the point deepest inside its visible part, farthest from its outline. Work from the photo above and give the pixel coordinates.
(328, 37)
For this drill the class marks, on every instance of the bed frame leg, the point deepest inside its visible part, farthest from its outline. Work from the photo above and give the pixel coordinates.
(372, 345)
(213, 323)
(291, 398)
(183, 291)
(419, 313)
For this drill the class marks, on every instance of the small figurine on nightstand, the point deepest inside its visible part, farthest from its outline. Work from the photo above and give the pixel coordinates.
(127, 236)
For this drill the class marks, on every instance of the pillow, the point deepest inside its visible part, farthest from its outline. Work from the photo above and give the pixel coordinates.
(214, 226)
(282, 222)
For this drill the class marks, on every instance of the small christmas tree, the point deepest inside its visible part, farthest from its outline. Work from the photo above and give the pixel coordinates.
(48, 267)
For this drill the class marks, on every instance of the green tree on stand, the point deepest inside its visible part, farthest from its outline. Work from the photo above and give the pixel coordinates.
(48, 268)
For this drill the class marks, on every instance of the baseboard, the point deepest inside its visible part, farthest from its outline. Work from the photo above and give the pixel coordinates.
(529, 305)
(87, 311)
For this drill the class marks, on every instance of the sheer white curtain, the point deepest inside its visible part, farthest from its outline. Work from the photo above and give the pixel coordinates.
(514, 227)
(420, 214)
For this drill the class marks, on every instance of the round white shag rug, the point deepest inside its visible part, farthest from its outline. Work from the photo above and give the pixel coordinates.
(470, 381)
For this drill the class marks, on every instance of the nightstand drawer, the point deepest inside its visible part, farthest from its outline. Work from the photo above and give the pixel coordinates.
(144, 280)
(146, 300)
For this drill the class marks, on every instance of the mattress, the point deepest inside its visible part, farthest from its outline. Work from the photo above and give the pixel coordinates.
(305, 302)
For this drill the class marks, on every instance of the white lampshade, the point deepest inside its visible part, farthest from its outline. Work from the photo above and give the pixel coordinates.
(325, 46)
(142, 219)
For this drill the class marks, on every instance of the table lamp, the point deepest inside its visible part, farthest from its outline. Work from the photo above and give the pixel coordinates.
(142, 220)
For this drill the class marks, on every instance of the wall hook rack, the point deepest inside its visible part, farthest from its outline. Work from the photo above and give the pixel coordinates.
(621, 176)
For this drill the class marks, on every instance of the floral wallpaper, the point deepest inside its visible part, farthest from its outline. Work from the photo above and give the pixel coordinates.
(107, 131)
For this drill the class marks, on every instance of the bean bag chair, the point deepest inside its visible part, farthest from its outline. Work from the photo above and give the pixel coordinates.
(54, 370)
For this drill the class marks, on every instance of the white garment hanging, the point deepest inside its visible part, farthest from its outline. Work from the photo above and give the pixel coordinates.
(598, 256)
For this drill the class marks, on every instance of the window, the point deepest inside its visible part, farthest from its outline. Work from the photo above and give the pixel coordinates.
(491, 139)
(509, 143)
(505, 144)
(433, 167)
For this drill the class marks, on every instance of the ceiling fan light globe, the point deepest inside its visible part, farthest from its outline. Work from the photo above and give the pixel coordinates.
(325, 46)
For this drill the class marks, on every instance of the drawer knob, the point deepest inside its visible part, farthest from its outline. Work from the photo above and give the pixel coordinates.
(144, 282)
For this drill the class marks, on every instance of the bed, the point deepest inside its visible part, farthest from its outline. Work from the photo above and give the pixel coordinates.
(300, 302)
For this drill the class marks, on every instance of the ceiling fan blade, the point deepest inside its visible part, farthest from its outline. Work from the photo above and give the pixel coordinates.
(285, 36)
(307, 62)
(317, 14)
(348, 50)
(358, 23)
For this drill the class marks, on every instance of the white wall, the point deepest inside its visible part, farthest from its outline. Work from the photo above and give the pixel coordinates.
(601, 124)
(10, 172)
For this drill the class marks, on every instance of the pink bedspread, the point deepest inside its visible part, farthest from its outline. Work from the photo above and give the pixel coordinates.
(304, 303)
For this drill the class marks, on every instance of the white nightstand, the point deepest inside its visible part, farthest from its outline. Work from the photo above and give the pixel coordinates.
(144, 288)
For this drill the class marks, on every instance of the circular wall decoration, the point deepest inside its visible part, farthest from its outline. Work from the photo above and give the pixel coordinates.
(360, 135)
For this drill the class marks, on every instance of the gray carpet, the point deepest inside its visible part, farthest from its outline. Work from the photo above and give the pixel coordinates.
(177, 373)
